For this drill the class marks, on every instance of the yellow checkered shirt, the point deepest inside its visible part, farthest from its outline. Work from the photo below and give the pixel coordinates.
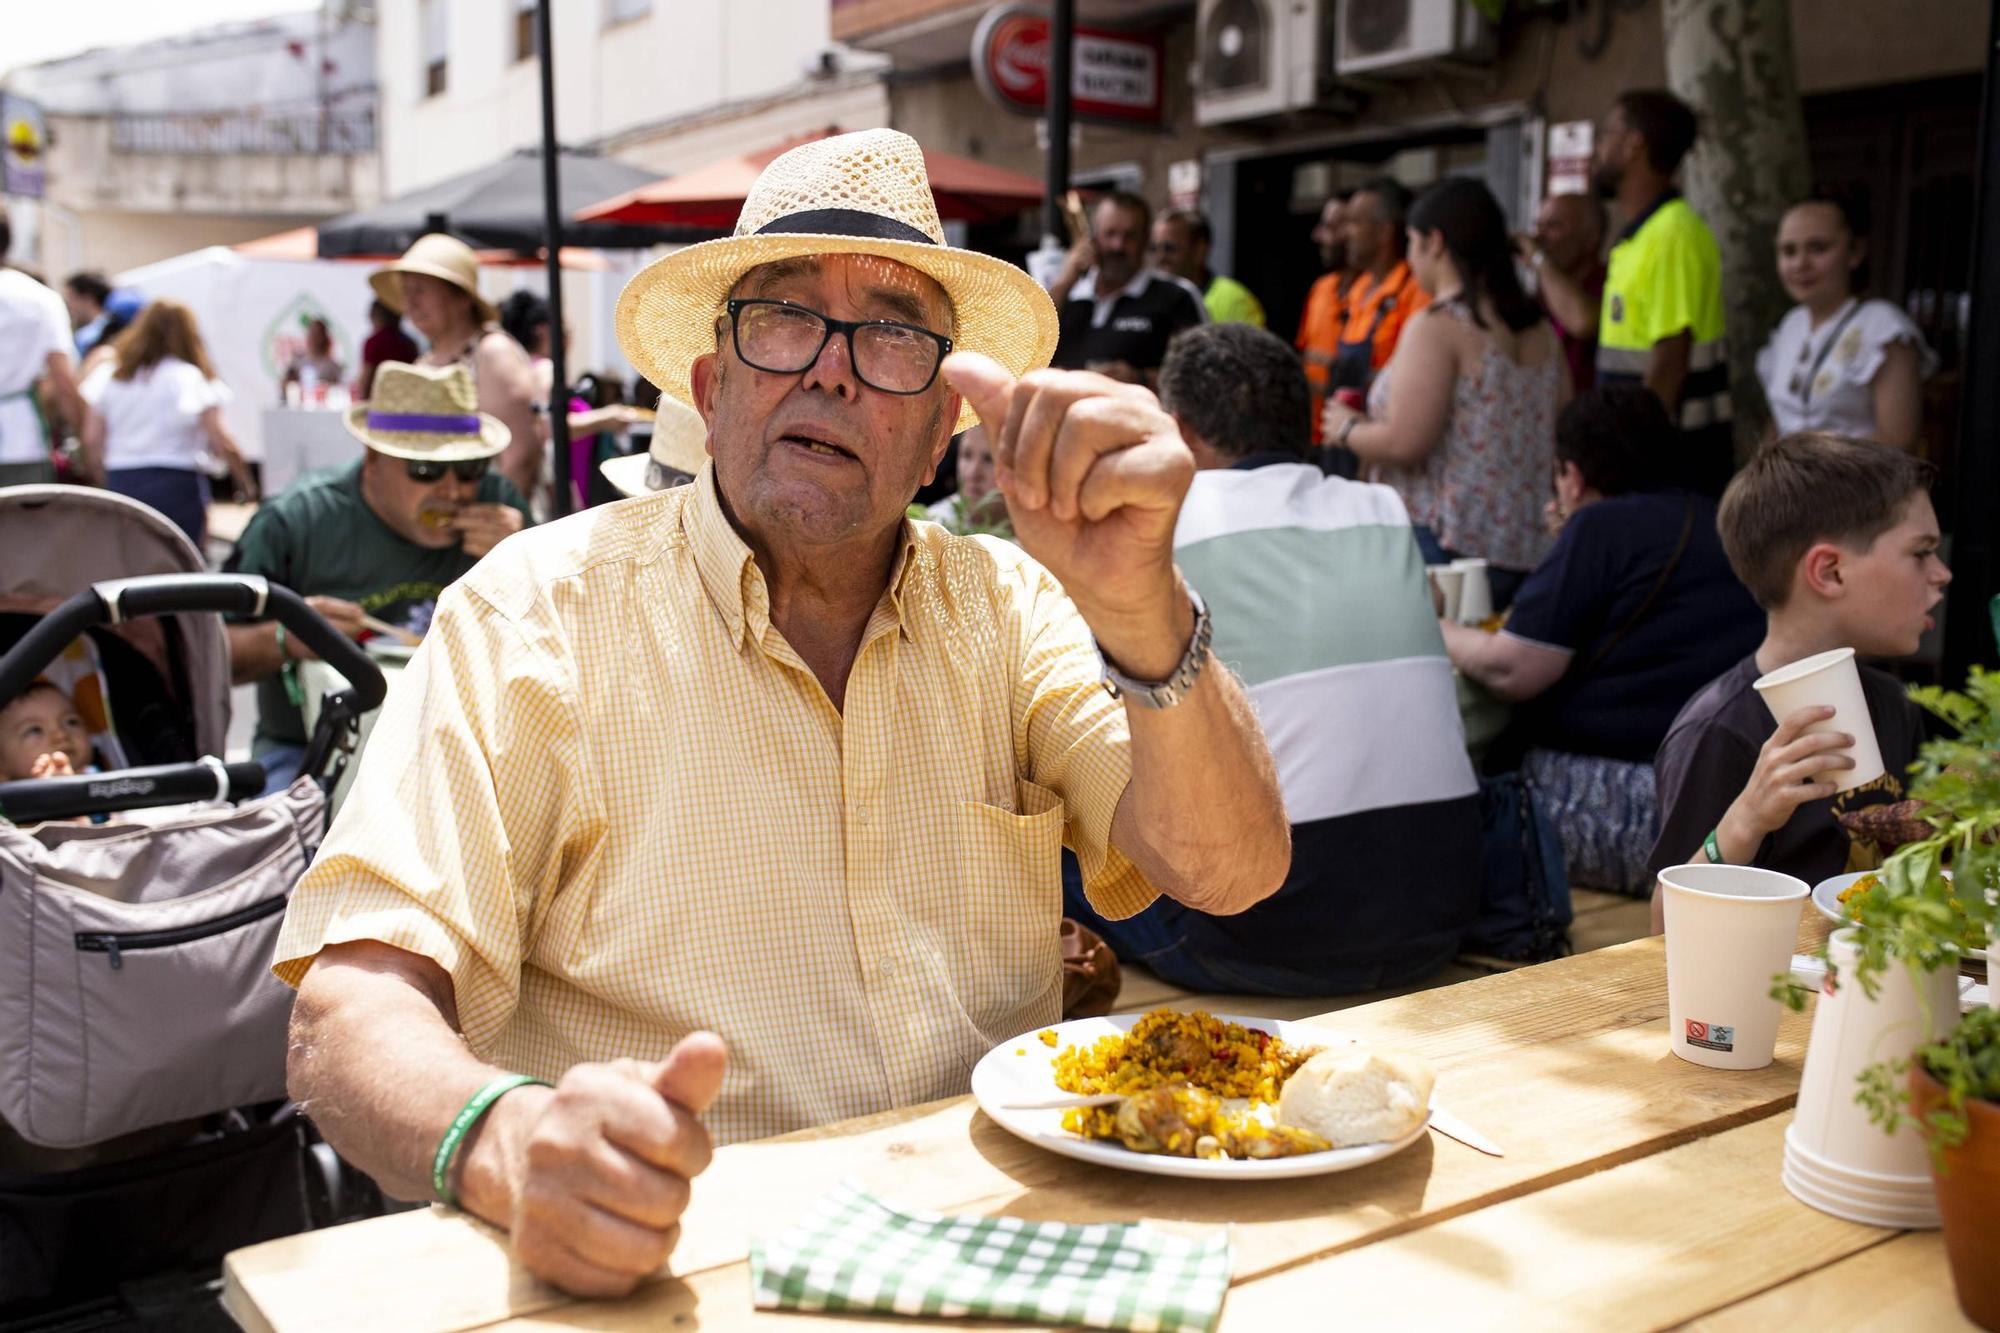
(614, 804)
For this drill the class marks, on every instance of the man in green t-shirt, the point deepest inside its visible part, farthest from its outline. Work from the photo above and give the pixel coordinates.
(377, 539)
(1179, 246)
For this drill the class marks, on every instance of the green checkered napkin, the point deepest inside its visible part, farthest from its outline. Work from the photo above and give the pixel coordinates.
(856, 1252)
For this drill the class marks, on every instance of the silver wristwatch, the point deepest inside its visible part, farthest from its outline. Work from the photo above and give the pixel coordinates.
(1164, 693)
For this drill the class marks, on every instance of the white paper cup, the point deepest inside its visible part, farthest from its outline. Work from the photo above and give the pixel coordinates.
(1449, 583)
(1475, 600)
(1828, 679)
(1730, 930)
(1850, 1032)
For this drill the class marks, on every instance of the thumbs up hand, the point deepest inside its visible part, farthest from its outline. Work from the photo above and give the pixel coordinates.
(596, 1171)
(1094, 472)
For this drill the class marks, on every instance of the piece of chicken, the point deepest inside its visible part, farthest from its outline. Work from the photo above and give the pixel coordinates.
(1169, 1119)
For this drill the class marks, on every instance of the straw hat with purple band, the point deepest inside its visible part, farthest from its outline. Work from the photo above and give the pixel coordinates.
(429, 413)
(680, 447)
(864, 194)
(439, 256)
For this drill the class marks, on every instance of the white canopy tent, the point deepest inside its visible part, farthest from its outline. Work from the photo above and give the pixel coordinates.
(252, 312)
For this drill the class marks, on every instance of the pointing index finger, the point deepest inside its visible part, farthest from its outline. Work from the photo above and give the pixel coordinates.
(984, 383)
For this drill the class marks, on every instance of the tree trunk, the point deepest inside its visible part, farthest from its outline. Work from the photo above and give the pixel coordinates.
(1731, 60)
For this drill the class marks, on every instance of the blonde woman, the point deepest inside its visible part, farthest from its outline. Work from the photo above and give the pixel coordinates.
(155, 419)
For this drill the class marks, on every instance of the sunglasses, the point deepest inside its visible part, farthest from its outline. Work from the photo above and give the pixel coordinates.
(467, 470)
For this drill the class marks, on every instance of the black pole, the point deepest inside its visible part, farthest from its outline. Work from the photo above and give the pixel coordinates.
(552, 239)
(1968, 626)
(1062, 64)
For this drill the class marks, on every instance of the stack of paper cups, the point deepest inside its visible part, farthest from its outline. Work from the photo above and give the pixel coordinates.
(1830, 678)
(1836, 1158)
(1475, 598)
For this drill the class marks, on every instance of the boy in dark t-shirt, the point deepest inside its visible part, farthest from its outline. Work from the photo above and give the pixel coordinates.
(1837, 541)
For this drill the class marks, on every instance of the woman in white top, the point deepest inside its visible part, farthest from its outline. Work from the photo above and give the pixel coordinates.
(156, 419)
(1837, 362)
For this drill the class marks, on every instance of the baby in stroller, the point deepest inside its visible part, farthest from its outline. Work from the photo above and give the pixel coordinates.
(144, 1130)
(42, 735)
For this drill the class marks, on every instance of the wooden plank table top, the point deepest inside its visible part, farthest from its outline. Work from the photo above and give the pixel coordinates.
(1565, 1064)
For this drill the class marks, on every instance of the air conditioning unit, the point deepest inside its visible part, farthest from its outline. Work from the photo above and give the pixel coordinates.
(1260, 57)
(1396, 37)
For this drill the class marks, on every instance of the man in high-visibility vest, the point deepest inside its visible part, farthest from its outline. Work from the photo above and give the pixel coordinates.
(1661, 322)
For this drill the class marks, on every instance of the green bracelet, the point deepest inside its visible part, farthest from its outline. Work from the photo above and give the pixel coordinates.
(1713, 849)
(461, 1125)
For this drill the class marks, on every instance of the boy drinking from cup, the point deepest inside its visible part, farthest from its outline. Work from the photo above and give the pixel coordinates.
(1836, 539)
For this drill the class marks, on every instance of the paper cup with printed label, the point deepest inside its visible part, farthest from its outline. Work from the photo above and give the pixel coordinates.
(1475, 599)
(1850, 1032)
(1730, 929)
(1449, 583)
(1828, 679)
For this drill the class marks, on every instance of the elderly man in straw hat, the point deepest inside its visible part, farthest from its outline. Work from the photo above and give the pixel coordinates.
(380, 538)
(436, 284)
(757, 766)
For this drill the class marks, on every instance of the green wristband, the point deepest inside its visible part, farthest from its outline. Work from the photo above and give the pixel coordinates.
(1713, 849)
(461, 1125)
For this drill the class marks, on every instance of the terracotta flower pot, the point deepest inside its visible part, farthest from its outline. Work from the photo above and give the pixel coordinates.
(1967, 1184)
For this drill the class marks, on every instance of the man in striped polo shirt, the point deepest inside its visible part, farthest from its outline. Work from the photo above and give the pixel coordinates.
(1661, 321)
(1321, 608)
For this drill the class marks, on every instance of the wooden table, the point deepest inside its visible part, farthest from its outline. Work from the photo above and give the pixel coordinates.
(1637, 1191)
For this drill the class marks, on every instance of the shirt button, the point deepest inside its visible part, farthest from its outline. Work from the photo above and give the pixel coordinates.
(861, 814)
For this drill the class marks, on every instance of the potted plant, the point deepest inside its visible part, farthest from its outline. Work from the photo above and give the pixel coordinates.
(1921, 917)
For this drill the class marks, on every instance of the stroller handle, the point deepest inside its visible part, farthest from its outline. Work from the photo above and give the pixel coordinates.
(37, 799)
(116, 600)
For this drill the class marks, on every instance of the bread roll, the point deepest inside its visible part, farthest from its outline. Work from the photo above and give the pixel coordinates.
(1351, 1095)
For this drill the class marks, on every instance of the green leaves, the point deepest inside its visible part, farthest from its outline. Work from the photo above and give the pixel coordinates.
(1918, 917)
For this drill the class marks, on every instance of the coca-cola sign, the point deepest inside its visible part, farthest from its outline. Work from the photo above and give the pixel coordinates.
(1115, 74)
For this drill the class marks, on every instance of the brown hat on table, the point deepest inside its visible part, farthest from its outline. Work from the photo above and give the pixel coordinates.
(429, 413)
(849, 194)
(445, 258)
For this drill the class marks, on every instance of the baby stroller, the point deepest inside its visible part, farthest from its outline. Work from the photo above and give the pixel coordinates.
(144, 1130)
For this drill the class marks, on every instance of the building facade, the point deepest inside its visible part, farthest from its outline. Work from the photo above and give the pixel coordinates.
(220, 136)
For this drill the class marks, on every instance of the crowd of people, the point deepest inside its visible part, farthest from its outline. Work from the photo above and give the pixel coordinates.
(1193, 645)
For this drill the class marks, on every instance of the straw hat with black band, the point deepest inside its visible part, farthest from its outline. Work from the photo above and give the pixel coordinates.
(863, 194)
(427, 413)
(439, 256)
(680, 447)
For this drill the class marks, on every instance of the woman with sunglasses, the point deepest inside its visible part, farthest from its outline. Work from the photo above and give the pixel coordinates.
(1838, 362)
(377, 540)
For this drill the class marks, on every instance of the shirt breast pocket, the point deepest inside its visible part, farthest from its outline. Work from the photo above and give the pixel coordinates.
(1007, 910)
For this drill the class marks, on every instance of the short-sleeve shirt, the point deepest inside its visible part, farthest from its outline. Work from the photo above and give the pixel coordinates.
(1711, 751)
(1230, 302)
(1604, 569)
(1825, 379)
(613, 803)
(1133, 324)
(34, 323)
(320, 539)
(154, 418)
(1664, 279)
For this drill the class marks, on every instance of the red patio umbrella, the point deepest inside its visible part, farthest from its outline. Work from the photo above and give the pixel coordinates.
(711, 196)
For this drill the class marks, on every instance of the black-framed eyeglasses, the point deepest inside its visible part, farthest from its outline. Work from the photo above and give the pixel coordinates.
(425, 472)
(784, 339)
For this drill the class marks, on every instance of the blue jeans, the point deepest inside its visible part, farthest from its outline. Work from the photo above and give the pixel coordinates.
(179, 493)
